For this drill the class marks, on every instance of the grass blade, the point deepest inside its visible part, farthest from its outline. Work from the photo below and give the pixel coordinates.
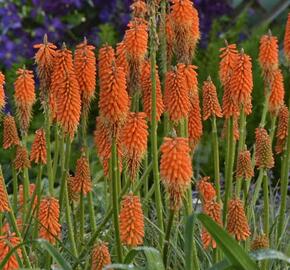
(269, 254)
(54, 253)
(232, 250)
(153, 257)
(189, 228)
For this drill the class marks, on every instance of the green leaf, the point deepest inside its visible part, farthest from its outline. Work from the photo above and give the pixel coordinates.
(107, 34)
(153, 257)
(54, 253)
(268, 4)
(259, 255)
(269, 254)
(232, 250)
(189, 228)
(235, 3)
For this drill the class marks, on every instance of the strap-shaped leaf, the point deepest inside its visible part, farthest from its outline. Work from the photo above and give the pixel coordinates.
(232, 250)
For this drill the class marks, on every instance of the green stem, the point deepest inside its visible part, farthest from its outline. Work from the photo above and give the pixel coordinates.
(92, 211)
(15, 190)
(163, 58)
(229, 165)
(65, 157)
(38, 194)
(146, 185)
(241, 147)
(266, 204)
(68, 217)
(284, 183)
(153, 48)
(167, 237)
(58, 146)
(82, 218)
(25, 192)
(115, 202)
(48, 149)
(273, 127)
(31, 211)
(215, 146)
(266, 218)
(256, 193)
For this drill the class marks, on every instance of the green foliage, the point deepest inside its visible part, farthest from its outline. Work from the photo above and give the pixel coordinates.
(232, 250)
(107, 34)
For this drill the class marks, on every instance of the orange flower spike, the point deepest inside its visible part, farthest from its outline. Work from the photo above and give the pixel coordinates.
(136, 39)
(24, 97)
(7, 242)
(114, 99)
(175, 168)
(100, 256)
(44, 58)
(48, 217)
(66, 92)
(244, 165)
(2, 93)
(260, 242)
(21, 195)
(4, 202)
(139, 8)
(73, 196)
(185, 22)
(85, 69)
(282, 129)
(105, 59)
(268, 53)
(241, 81)
(206, 189)
(131, 221)
(121, 60)
(176, 98)
(229, 55)
(134, 141)
(103, 142)
(229, 107)
(237, 221)
(213, 210)
(276, 98)
(146, 87)
(38, 148)
(190, 75)
(10, 134)
(211, 106)
(21, 160)
(82, 181)
(287, 39)
(263, 156)
(194, 121)
(102, 138)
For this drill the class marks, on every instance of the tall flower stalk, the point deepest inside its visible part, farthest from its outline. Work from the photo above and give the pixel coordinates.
(153, 49)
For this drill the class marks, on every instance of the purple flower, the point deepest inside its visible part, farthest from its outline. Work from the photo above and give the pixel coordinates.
(8, 51)
(9, 17)
(59, 7)
(54, 28)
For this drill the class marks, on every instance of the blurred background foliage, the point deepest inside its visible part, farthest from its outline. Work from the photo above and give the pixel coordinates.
(24, 22)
